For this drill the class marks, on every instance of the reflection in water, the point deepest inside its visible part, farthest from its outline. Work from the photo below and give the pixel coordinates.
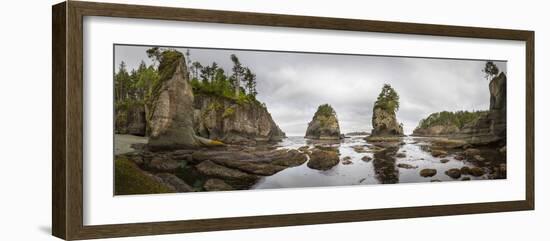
(370, 164)
(385, 167)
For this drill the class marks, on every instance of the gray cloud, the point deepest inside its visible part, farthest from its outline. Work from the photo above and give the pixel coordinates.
(293, 84)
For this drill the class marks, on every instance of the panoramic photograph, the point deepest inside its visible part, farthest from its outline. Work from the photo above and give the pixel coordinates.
(190, 119)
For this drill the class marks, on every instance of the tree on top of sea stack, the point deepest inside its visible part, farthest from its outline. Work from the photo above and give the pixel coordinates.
(324, 125)
(384, 121)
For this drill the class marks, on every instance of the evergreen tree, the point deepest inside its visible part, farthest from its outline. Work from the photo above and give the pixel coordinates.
(490, 70)
(388, 99)
(250, 82)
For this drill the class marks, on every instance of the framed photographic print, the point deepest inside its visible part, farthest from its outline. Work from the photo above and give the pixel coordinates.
(171, 120)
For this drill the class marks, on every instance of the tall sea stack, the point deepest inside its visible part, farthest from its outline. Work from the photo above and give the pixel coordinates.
(384, 120)
(172, 117)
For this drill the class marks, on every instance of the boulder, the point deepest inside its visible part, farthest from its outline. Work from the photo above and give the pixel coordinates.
(438, 153)
(444, 160)
(323, 159)
(174, 183)
(366, 158)
(406, 166)
(235, 178)
(476, 171)
(454, 173)
(324, 125)
(428, 172)
(214, 184)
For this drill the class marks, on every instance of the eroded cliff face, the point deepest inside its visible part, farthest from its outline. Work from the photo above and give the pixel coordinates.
(324, 125)
(437, 130)
(385, 123)
(491, 127)
(226, 120)
(130, 120)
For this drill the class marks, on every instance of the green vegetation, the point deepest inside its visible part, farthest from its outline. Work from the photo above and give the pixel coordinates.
(129, 179)
(325, 110)
(228, 112)
(458, 118)
(388, 99)
(213, 80)
(141, 86)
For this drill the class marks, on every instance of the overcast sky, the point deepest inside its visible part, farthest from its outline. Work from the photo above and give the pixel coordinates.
(293, 85)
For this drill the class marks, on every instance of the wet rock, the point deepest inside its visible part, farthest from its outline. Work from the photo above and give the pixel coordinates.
(476, 171)
(453, 173)
(459, 157)
(214, 184)
(174, 182)
(439, 153)
(163, 164)
(359, 149)
(444, 160)
(303, 148)
(428, 172)
(252, 167)
(323, 159)
(347, 162)
(479, 158)
(366, 158)
(235, 178)
(471, 152)
(401, 155)
(466, 179)
(289, 158)
(465, 170)
(220, 155)
(406, 166)
(502, 150)
(435, 180)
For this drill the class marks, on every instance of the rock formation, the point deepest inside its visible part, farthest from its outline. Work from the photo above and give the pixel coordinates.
(224, 119)
(324, 125)
(490, 127)
(384, 120)
(446, 123)
(477, 128)
(385, 123)
(172, 117)
(130, 120)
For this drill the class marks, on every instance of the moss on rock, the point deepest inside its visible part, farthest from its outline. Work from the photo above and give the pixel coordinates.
(129, 179)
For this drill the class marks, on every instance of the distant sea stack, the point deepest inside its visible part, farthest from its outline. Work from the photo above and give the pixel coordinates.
(446, 123)
(324, 125)
(384, 120)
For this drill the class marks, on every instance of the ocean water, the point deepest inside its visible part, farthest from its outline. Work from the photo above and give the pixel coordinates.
(360, 172)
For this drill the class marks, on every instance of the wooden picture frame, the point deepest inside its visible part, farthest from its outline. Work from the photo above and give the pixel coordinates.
(67, 124)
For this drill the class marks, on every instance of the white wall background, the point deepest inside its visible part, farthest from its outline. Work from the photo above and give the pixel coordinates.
(25, 119)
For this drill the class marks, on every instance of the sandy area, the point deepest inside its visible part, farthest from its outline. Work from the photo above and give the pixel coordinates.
(123, 143)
